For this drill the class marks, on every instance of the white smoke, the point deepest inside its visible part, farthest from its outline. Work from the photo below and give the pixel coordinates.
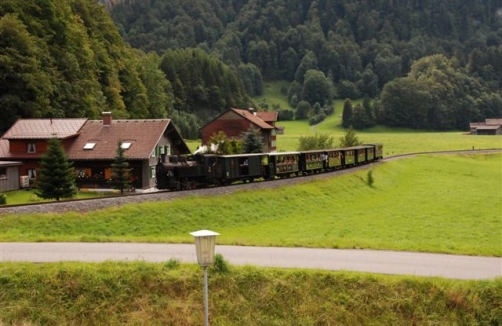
(201, 150)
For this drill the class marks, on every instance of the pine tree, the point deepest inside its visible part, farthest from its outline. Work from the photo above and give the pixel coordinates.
(56, 175)
(120, 170)
(347, 113)
(252, 141)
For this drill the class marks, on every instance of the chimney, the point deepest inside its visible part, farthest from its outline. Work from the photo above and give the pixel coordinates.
(107, 118)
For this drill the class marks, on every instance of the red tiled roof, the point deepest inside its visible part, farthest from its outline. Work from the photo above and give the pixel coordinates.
(253, 118)
(142, 134)
(267, 116)
(44, 128)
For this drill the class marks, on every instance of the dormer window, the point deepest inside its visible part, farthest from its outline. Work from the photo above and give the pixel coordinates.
(32, 148)
(89, 146)
(125, 145)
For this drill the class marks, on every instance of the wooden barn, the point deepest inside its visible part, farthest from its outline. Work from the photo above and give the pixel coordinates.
(489, 127)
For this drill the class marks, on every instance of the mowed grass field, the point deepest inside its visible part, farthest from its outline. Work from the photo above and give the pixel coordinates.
(430, 203)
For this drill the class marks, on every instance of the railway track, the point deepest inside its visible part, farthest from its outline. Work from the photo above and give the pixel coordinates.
(84, 205)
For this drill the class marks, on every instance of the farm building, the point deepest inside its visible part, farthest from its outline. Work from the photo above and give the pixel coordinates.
(92, 144)
(235, 122)
(489, 127)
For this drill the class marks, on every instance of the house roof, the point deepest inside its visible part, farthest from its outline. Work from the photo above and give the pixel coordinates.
(494, 122)
(44, 128)
(143, 136)
(268, 116)
(10, 163)
(253, 118)
(488, 127)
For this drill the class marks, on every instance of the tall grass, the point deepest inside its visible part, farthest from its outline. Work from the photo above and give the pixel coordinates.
(142, 293)
(448, 204)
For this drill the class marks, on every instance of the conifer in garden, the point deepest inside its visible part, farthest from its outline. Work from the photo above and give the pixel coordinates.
(56, 178)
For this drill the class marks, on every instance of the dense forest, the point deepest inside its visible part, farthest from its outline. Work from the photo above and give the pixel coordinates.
(66, 59)
(424, 64)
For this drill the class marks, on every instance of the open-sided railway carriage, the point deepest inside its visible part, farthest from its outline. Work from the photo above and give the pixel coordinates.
(201, 170)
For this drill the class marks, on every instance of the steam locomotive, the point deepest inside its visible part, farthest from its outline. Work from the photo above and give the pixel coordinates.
(203, 170)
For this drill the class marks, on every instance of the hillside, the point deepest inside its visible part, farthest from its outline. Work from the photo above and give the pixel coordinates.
(66, 59)
(358, 46)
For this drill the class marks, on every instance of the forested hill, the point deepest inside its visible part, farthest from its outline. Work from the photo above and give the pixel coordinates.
(66, 59)
(359, 46)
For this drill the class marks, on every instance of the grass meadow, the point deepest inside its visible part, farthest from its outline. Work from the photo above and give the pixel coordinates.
(430, 203)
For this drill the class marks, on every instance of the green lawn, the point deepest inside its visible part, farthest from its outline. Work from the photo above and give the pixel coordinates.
(21, 197)
(443, 203)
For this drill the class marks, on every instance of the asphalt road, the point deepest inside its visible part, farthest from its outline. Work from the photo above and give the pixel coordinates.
(372, 261)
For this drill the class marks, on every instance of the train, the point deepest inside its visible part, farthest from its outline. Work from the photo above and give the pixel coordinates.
(185, 172)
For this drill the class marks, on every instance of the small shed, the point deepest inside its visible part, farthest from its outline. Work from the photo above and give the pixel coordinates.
(9, 176)
(489, 127)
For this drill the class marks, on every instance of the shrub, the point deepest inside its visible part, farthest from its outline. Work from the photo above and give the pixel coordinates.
(3, 199)
(369, 178)
(220, 264)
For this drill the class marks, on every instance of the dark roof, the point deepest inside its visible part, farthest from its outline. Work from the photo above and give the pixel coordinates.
(142, 134)
(10, 163)
(44, 128)
(253, 118)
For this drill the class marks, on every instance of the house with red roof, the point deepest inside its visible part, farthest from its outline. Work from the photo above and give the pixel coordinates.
(92, 145)
(235, 122)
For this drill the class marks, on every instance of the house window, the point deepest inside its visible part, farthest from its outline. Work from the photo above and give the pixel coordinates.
(3, 173)
(152, 172)
(32, 173)
(89, 146)
(125, 145)
(164, 150)
(32, 148)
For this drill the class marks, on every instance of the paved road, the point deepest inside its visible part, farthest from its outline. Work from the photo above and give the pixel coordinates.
(372, 261)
